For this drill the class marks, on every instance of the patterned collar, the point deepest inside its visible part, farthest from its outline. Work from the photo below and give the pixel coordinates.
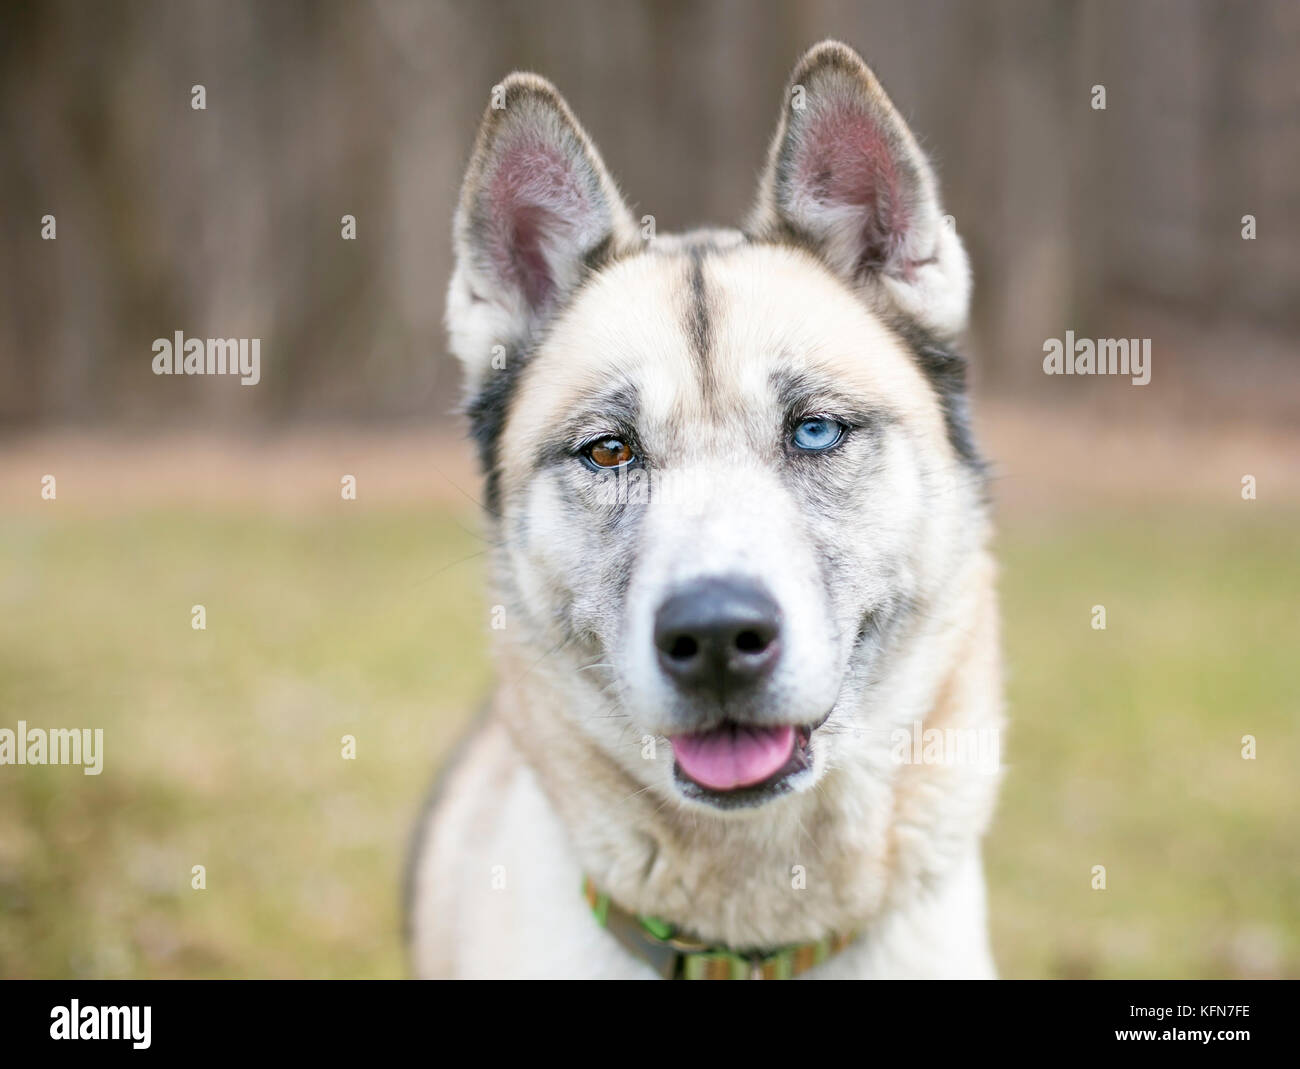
(675, 957)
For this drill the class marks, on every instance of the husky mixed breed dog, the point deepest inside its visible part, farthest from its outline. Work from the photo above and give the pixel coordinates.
(689, 766)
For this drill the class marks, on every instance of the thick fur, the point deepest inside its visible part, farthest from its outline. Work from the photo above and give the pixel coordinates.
(842, 295)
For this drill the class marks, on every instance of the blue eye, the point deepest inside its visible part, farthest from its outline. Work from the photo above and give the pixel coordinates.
(817, 435)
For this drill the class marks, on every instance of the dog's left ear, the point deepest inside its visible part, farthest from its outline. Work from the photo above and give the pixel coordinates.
(846, 177)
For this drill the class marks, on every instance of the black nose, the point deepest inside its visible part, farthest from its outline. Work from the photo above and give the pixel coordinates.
(718, 635)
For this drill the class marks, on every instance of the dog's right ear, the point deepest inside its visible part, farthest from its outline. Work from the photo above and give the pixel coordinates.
(537, 210)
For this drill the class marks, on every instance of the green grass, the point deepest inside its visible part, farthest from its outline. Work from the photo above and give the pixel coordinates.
(222, 747)
(1126, 747)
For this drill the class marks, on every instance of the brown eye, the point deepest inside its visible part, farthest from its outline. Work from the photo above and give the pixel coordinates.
(609, 453)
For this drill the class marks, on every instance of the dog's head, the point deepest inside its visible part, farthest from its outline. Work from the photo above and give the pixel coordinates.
(726, 468)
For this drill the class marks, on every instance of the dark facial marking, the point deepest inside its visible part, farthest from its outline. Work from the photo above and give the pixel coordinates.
(487, 418)
(613, 411)
(945, 369)
(699, 329)
(802, 395)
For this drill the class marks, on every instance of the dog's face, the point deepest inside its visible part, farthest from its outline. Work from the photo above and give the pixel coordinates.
(725, 468)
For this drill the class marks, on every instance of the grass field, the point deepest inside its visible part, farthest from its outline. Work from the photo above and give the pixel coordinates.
(223, 746)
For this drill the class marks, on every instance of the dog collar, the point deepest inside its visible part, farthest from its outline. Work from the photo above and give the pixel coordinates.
(676, 957)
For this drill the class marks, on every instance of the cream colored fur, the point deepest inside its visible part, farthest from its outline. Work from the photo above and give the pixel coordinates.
(567, 777)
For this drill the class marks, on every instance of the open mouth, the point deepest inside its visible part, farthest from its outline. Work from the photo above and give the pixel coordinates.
(738, 764)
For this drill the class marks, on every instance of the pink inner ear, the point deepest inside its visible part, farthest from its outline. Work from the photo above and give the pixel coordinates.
(845, 160)
(535, 200)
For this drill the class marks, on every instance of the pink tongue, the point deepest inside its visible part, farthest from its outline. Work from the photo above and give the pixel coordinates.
(733, 757)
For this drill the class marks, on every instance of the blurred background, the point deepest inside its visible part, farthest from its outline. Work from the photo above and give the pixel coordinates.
(329, 617)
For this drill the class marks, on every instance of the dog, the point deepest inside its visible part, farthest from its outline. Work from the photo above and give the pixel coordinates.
(739, 551)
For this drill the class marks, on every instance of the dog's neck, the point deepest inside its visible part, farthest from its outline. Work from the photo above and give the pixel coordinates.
(872, 832)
